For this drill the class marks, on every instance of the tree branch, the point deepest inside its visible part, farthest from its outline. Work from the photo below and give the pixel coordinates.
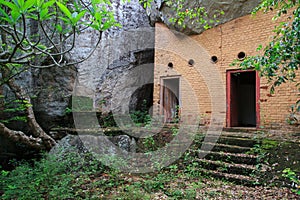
(19, 136)
(19, 43)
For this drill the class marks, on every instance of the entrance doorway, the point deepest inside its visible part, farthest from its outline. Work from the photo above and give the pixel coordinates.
(242, 98)
(170, 99)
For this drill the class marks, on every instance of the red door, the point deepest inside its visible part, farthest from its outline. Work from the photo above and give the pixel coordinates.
(233, 102)
(242, 98)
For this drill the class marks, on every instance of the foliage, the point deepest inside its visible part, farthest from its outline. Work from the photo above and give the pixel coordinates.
(193, 12)
(292, 176)
(149, 144)
(74, 176)
(106, 120)
(13, 106)
(280, 59)
(131, 192)
(141, 117)
(53, 176)
(51, 24)
(293, 119)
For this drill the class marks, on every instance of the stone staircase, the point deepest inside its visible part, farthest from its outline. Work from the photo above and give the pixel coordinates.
(230, 157)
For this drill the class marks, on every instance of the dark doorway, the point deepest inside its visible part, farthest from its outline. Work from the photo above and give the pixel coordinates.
(142, 99)
(242, 98)
(170, 99)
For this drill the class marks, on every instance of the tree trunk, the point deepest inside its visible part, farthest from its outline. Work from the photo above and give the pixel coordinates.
(40, 137)
(19, 136)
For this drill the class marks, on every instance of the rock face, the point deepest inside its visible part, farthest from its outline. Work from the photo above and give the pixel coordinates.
(160, 12)
(52, 90)
(119, 61)
(127, 83)
(124, 142)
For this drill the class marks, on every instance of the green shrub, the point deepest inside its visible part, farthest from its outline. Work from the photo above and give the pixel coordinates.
(141, 117)
(54, 176)
(292, 176)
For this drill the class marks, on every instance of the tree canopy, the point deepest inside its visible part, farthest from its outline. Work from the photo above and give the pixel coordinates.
(41, 33)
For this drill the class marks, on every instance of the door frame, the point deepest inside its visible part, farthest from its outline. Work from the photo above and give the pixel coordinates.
(228, 94)
(162, 79)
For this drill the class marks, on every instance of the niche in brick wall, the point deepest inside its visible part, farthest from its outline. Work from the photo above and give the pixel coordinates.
(241, 55)
(191, 62)
(214, 59)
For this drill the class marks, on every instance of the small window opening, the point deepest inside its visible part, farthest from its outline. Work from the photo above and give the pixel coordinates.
(170, 65)
(241, 55)
(191, 62)
(214, 59)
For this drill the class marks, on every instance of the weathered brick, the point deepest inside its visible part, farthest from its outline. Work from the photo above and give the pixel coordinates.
(224, 41)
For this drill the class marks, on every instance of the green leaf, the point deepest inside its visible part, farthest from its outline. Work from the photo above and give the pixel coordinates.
(10, 5)
(15, 14)
(6, 17)
(59, 28)
(43, 14)
(259, 48)
(20, 3)
(28, 4)
(78, 17)
(64, 9)
(47, 4)
(64, 19)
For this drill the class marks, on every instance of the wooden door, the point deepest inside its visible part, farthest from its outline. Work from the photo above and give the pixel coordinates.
(170, 99)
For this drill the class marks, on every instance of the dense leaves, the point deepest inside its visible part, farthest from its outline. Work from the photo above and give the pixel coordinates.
(34, 28)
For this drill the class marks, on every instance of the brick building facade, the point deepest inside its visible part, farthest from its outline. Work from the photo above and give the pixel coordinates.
(193, 73)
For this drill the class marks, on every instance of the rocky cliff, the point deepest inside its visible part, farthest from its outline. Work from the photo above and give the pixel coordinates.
(122, 52)
(161, 12)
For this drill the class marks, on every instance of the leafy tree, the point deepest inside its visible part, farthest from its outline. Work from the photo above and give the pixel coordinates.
(280, 59)
(42, 34)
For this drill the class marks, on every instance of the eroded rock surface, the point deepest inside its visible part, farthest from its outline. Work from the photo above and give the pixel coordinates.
(160, 12)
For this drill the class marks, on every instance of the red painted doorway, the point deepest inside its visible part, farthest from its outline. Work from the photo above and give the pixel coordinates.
(242, 98)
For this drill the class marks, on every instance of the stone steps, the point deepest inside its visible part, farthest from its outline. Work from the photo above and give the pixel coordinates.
(240, 179)
(226, 156)
(239, 158)
(219, 147)
(229, 158)
(240, 141)
(225, 167)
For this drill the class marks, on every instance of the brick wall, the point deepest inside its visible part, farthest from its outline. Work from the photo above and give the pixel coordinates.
(203, 85)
